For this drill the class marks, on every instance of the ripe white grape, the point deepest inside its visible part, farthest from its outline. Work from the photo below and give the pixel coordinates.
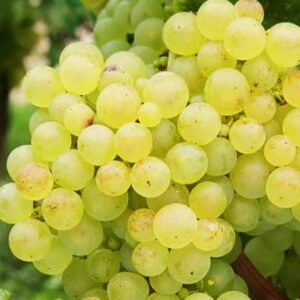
(39, 117)
(149, 114)
(290, 88)
(250, 8)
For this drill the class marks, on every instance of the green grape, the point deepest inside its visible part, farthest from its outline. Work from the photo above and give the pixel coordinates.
(227, 90)
(187, 68)
(108, 29)
(221, 157)
(274, 214)
(34, 181)
(213, 56)
(119, 225)
(113, 46)
(296, 161)
(147, 54)
(199, 123)
(150, 177)
(30, 240)
(281, 112)
(294, 225)
(279, 150)
(103, 264)
(149, 114)
(113, 178)
(133, 142)
(77, 117)
(250, 175)
(169, 91)
(140, 225)
(188, 265)
(130, 62)
(296, 212)
(208, 200)
(214, 16)
(243, 214)
(20, 157)
(95, 294)
(57, 259)
(290, 88)
(100, 206)
(198, 98)
(245, 38)
(60, 104)
(165, 136)
(233, 295)
(219, 278)
(13, 207)
(267, 261)
(127, 286)
(225, 183)
(122, 15)
(96, 145)
(209, 235)
(118, 104)
(272, 128)
(235, 251)
(115, 74)
(250, 8)
(296, 243)
(62, 209)
(136, 201)
(290, 126)
(279, 239)
(262, 227)
(175, 225)
(49, 140)
(239, 285)
(80, 68)
(176, 193)
(261, 73)
(283, 44)
(261, 107)
(157, 296)
(187, 163)
(183, 293)
(150, 258)
(113, 242)
(283, 187)
(247, 135)
(149, 33)
(111, 6)
(84, 238)
(181, 35)
(165, 284)
(145, 9)
(199, 296)
(40, 85)
(76, 280)
(126, 257)
(71, 171)
(39, 117)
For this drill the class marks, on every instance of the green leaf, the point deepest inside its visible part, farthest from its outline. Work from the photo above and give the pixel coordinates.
(4, 295)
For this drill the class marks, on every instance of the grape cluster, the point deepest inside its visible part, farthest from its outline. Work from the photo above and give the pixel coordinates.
(134, 181)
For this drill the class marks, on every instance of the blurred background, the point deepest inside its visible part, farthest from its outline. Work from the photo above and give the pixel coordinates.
(32, 33)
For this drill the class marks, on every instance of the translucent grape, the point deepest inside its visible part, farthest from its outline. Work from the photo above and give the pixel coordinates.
(113, 46)
(136, 201)
(233, 295)
(62, 209)
(208, 200)
(250, 8)
(49, 140)
(247, 135)
(210, 11)
(199, 296)
(169, 91)
(127, 286)
(39, 117)
(262, 227)
(122, 15)
(147, 54)
(150, 258)
(290, 88)
(34, 181)
(157, 296)
(283, 187)
(296, 212)
(175, 225)
(213, 56)
(57, 259)
(99, 293)
(227, 90)
(235, 251)
(41, 84)
(13, 207)
(149, 114)
(126, 257)
(113, 178)
(103, 264)
(239, 285)
(245, 38)
(165, 284)
(119, 225)
(181, 35)
(188, 265)
(30, 240)
(71, 171)
(199, 123)
(84, 238)
(290, 126)
(272, 128)
(150, 177)
(281, 112)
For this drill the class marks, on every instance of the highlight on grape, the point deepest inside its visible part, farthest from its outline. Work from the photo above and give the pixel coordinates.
(152, 165)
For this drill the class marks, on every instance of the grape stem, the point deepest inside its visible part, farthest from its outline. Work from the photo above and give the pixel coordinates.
(259, 287)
